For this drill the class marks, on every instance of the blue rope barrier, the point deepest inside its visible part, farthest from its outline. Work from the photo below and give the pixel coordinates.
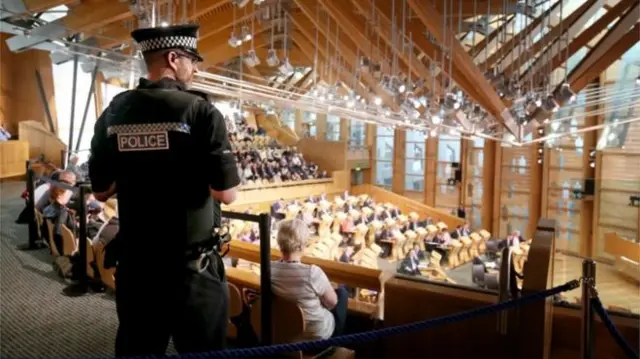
(596, 304)
(381, 333)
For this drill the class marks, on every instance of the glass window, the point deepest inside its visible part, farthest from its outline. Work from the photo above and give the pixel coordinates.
(384, 156)
(288, 118)
(384, 148)
(62, 75)
(448, 148)
(333, 128)
(384, 173)
(414, 167)
(414, 183)
(356, 133)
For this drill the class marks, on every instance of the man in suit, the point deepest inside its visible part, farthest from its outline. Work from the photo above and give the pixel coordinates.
(346, 255)
(410, 263)
(459, 232)
(466, 228)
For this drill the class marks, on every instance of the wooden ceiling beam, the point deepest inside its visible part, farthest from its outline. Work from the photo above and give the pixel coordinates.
(569, 27)
(303, 41)
(618, 40)
(433, 20)
(353, 25)
(347, 53)
(471, 8)
(479, 47)
(533, 29)
(582, 40)
(431, 50)
(615, 34)
(93, 14)
(44, 5)
(223, 52)
(117, 33)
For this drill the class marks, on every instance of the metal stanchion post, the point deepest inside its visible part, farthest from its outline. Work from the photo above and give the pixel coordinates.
(265, 279)
(82, 238)
(33, 230)
(588, 283)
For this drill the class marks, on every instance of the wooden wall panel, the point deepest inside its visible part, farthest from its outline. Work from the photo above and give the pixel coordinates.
(620, 180)
(20, 98)
(474, 182)
(5, 80)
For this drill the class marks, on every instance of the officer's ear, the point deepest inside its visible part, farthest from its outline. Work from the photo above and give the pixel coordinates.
(172, 60)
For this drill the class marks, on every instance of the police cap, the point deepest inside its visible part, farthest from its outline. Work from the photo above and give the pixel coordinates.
(179, 37)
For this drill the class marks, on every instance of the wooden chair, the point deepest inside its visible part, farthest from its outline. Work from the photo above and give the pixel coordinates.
(474, 251)
(479, 241)
(39, 221)
(106, 275)
(484, 234)
(454, 253)
(431, 229)
(422, 234)
(235, 309)
(464, 251)
(361, 232)
(441, 225)
(435, 271)
(52, 245)
(291, 329)
(324, 229)
(69, 241)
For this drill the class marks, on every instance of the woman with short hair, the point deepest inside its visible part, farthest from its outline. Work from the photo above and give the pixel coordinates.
(324, 309)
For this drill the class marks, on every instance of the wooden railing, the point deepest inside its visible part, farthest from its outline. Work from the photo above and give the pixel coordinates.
(260, 195)
(347, 274)
(406, 205)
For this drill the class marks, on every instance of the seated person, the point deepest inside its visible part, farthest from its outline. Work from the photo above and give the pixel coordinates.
(4, 134)
(324, 309)
(411, 261)
(514, 239)
(58, 213)
(346, 255)
(66, 177)
(458, 233)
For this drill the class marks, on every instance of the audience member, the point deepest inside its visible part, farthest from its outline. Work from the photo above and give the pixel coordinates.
(4, 134)
(324, 308)
(262, 161)
(65, 177)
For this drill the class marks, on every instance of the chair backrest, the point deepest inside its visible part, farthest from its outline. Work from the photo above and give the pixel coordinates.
(235, 301)
(288, 320)
(491, 281)
(477, 273)
(38, 216)
(52, 245)
(68, 241)
(106, 275)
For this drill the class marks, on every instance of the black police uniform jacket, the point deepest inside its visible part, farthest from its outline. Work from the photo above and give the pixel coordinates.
(164, 148)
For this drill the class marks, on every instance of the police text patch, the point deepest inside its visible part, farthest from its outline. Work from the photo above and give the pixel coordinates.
(143, 141)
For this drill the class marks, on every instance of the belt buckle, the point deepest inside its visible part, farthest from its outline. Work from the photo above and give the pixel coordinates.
(203, 262)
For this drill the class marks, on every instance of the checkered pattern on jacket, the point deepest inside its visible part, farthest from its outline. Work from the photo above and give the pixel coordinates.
(149, 127)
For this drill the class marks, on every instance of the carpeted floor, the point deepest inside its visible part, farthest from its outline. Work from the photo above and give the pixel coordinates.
(36, 318)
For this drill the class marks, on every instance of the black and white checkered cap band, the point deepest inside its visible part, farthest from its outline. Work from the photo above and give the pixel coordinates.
(169, 42)
(149, 128)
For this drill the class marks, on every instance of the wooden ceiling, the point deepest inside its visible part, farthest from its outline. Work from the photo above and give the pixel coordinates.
(453, 40)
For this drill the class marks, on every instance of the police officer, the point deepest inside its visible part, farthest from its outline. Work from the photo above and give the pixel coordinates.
(166, 154)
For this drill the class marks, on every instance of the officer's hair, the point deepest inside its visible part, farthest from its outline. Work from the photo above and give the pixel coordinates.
(292, 236)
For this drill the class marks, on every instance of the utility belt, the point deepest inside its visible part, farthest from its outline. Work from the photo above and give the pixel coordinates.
(197, 255)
